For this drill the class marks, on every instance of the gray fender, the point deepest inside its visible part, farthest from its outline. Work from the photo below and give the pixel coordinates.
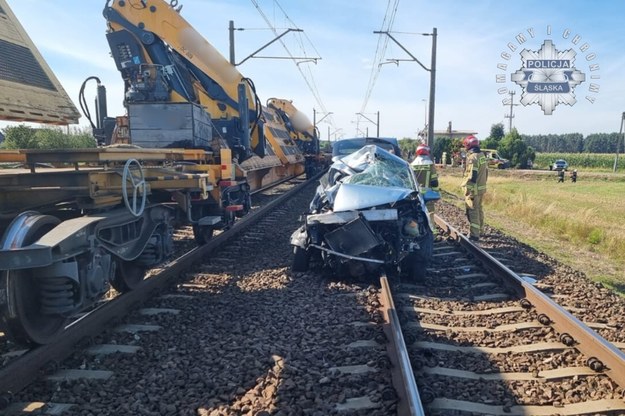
(299, 237)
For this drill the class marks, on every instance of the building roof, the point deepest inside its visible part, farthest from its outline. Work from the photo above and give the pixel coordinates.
(454, 133)
(445, 133)
(29, 90)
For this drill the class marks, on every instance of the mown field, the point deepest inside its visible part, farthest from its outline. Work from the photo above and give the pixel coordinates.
(581, 224)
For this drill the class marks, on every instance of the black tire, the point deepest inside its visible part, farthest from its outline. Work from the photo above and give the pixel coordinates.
(301, 259)
(420, 260)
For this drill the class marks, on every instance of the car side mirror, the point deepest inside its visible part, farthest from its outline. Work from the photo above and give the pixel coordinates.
(431, 195)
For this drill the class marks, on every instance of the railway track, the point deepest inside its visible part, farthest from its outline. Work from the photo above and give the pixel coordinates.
(235, 337)
(21, 364)
(483, 339)
(241, 334)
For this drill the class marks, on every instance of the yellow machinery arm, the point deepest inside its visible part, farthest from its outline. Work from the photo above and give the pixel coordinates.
(76, 221)
(167, 65)
(302, 126)
(163, 20)
(163, 59)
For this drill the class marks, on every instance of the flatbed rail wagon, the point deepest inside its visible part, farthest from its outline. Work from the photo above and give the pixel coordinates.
(75, 221)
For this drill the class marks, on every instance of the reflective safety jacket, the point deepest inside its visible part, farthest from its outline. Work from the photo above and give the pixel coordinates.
(475, 172)
(425, 172)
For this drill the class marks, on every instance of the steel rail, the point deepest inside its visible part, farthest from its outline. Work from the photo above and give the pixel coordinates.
(22, 371)
(405, 383)
(584, 339)
(273, 185)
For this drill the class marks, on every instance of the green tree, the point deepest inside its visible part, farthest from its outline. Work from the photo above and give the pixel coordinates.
(445, 145)
(513, 148)
(408, 148)
(24, 137)
(493, 140)
(81, 141)
(51, 139)
(497, 132)
(603, 143)
(556, 143)
(19, 137)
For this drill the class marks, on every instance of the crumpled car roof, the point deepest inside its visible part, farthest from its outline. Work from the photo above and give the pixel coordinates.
(368, 177)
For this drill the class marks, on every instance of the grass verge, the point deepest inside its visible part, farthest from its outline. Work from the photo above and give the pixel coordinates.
(580, 224)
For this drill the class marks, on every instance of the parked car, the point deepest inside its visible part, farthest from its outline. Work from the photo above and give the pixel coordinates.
(494, 160)
(559, 164)
(345, 147)
(367, 214)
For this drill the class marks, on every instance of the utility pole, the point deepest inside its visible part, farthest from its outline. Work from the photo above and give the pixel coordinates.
(315, 122)
(377, 125)
(431, 70)
(511, 115)
(231, 30)
(231, 39)
(620, 134)
(432, 89)
(425, 116)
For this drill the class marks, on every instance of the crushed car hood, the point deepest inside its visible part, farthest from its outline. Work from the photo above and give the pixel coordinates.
(351, 197)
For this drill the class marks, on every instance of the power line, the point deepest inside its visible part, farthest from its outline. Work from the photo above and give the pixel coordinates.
(293, 23)
(308, 78)
(380, 52)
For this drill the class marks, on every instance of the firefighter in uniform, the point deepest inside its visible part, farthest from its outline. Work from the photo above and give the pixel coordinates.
(474, 185)
(425, 172)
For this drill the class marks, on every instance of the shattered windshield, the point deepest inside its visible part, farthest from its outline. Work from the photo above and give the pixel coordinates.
(366, 178)
(377, 167)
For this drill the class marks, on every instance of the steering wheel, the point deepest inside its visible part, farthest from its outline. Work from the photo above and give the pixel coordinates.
(138, 185)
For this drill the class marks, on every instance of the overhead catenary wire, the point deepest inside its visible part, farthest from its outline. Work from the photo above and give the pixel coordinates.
(299, 33)
(308, 76)
(380, 51)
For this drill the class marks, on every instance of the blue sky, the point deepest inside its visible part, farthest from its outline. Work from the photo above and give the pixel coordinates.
(472, 35)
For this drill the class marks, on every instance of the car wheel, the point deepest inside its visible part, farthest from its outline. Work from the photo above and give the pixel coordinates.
(420, 260)
(301, 258)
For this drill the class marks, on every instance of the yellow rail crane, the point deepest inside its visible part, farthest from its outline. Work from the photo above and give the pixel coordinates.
(194, 143)
(174, 79)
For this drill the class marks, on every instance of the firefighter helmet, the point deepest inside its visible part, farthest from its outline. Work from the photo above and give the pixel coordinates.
(423, 150)
(470, 142)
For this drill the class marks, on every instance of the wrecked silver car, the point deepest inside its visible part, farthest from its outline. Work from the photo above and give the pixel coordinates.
(367, 214)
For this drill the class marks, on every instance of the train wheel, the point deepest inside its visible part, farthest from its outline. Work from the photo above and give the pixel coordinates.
(202, 233)
(127, 277)
(21, 314)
